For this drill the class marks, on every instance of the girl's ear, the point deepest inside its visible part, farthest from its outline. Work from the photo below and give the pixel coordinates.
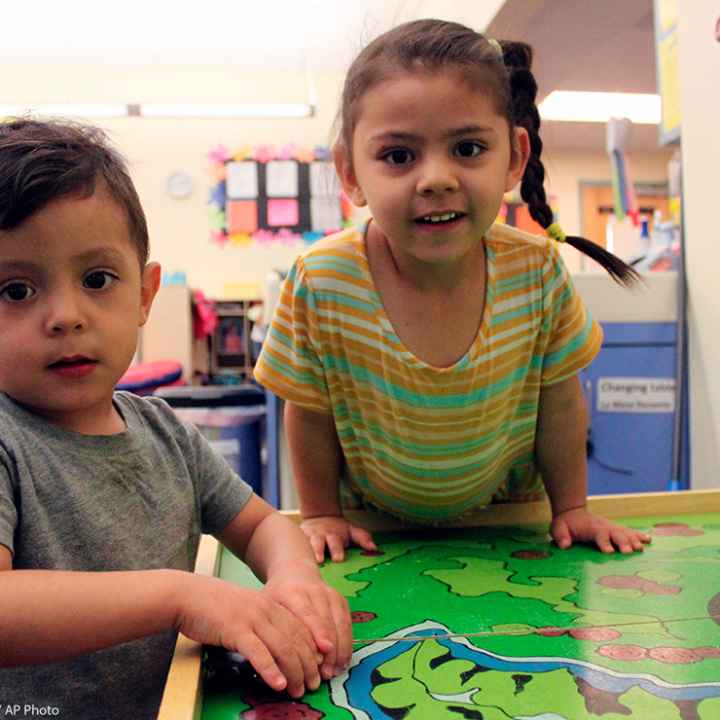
(344, 169)
(519, 155)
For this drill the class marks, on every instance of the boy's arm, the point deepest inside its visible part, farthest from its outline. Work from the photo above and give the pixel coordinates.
(560, 448)
(316, 457)
(279, 553)
(48, 615)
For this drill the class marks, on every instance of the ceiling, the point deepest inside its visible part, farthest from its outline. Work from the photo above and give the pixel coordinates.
(605, 45)
(579, 44)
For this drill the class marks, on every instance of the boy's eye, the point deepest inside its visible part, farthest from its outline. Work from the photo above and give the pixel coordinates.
(99, 280)
(400, 156)
(468, 149)
(17, 292)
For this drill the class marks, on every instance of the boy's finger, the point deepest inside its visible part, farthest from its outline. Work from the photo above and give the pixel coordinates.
(343, 625)
(261, 659)
(311, 672)
(281, 636)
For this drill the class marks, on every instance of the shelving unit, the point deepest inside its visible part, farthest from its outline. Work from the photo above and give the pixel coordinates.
(230, 344)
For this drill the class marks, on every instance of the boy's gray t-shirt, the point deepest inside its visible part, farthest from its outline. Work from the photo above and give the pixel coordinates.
(138, 500)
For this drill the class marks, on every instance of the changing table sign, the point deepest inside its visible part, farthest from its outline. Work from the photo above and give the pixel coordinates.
(636, 394)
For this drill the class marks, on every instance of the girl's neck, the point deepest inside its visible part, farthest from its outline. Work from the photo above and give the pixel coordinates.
(424, 276)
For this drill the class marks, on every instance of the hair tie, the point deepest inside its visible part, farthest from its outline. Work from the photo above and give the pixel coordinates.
(495, 45)
(555, 232)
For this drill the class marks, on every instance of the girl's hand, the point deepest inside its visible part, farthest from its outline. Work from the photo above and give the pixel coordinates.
(581, 525)
(337, 533)
(276, 643)
(322, 610)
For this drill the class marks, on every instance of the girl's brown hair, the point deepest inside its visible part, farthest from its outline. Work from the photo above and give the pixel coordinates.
(499, 69)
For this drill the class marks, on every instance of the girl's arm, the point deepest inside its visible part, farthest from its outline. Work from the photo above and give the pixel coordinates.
(560, 449)
(316, 458)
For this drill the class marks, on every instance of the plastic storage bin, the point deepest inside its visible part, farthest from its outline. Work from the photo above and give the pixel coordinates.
(230, 417)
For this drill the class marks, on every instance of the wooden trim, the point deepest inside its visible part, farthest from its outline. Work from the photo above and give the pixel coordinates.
(182, 698)
(611, 506)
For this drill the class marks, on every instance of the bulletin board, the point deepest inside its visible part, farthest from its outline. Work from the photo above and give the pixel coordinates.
(266, 194)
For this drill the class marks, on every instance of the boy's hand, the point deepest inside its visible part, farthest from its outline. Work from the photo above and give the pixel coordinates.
(337, 533)
(581, 525)
(276, 643)
(322, 610)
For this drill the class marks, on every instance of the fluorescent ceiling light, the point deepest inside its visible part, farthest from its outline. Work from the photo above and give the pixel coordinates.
(600, 107)
(288, 110)
(88, 110)
(166, 110)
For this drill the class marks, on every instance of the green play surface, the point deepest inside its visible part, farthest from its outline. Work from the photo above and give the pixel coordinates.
(498, 624)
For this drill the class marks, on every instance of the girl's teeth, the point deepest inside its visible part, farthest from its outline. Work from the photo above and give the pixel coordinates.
(440, 218)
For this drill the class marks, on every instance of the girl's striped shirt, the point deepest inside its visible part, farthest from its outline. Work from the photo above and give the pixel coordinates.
(423, 442)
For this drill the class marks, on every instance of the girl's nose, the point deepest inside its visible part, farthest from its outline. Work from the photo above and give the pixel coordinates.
(437, 176)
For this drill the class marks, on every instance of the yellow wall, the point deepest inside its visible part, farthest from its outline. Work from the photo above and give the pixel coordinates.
(699, 70)
(156, 147)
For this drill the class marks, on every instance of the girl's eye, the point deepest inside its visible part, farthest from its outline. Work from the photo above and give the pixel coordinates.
(17, 292)
(99, 280)
(401, 156)
(468, 149)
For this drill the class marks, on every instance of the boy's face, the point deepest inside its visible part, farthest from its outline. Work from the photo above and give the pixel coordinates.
(72, 297)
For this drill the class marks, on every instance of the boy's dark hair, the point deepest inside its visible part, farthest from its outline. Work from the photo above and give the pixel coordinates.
(43, 160)
(501, 68)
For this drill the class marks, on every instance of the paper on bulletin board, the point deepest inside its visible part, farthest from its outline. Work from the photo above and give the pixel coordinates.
(241, 180)
(283, 213)
(323, 180)
(325, 213)
(281, 178)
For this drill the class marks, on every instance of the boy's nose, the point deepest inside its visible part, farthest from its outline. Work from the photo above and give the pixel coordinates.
(65, 315)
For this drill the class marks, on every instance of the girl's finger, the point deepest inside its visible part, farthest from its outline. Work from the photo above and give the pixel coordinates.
(561, 535)
(336, 547)
(317, 542)
(602, 538)
(362, 538)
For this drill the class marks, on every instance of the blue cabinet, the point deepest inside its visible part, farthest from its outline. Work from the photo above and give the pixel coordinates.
(630, 392)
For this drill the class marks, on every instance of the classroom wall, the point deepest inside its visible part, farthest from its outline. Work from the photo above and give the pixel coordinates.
(157, 147)
(565, 169)
(699, 54)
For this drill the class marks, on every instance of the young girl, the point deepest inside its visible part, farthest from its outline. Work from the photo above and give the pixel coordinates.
(430, 364)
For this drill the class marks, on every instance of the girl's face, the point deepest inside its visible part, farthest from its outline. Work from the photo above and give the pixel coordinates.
(432, 158)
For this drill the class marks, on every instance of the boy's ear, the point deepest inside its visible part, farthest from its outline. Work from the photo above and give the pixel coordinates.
(519, 156)
(344, 169)
(150, 283)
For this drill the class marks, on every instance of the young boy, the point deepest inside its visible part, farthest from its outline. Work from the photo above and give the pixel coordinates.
(103, 495)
